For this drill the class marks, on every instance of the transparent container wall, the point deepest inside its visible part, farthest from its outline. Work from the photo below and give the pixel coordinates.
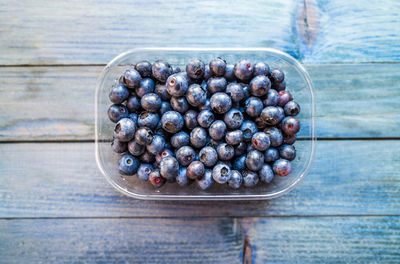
(298, 84)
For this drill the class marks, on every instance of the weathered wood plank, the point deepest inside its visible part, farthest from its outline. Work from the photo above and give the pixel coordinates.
(54, 179)
(325, 240)
(120, 241)
(105, 29)
(272, 240)
(57, 103)
(340, 31)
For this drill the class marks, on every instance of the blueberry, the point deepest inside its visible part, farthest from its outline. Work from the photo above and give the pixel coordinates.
(253, 106)
(217, 130)
(233, 118)
(196, 96)
(225, 162)
(205, 118)
(148, 119)
(235, 91)
(243, 70)
(125, 129)
(118, 146)
(151, 102)
(195, 69)
(146, 86)
(236, 179)
(131, 78)
(182, 178)
(240, 163)
(185, 155)
(135, 148)
(230, 73)
(165, 107)
(260, 85)
(156, 145)
(172, 121)
(290, 125)
(280, 86)
(198, 137)
(271, 115)
(261, 68)
(282, 167)
(248, 128)
(133, 104)
(117, 112)
(155, 179)
(144, 171)
(250, 179)
(220, 103)
(147, 157)
(254, 160)
(275, 136)
(272, 98)
(271, 154)
(177, 84)
(289, 139)
(165, 153)
(180, 139)
(266, 174)
(287, 152)
(261, 141)
(207, 72)
(208, 156)
(118, 94)
(205, 106)
(221, 173)
(217, 67)
(169, 168)
(234, 137)
(179, 104)
(206, 181)
(161, 90)
(225, 151)
(190, 118)
(128, 164)
(176, 69)
(291, 108)
(277, 75)
(240, 149)
(284, 98)
(144, 68)
(143, 135)
(216, 84)
(161, 70)
(195, 170)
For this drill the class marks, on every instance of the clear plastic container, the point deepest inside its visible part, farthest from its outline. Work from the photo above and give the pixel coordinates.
(298, 83)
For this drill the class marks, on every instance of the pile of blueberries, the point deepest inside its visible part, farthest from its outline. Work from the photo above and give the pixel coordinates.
(216, 122)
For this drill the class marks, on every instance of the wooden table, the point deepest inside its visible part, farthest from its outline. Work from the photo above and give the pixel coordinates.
(56, 207)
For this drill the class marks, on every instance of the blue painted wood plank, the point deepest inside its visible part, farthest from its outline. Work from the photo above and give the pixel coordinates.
(207, 240)
(106, 28)
(352, 32)
(58, 102)
(354, 177)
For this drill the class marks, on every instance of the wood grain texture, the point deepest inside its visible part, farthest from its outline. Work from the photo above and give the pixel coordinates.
(62, 180)
(43, 32)
(272, 240)
(346, 31)
(325, 240)
(120, 241)
(57, 103)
